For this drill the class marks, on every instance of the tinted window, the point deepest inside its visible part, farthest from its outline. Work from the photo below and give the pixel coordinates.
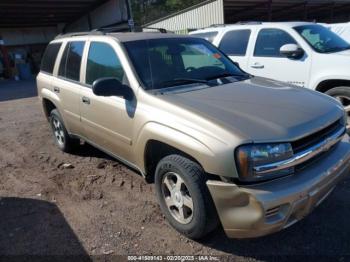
(269, 42)
(321, 39)
(49, 58)
(71, 61)
(103, 62)
(166, 62)
(235, 42)
(209, 36)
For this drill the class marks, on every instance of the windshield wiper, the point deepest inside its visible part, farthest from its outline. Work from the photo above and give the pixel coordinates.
(181, 81)
(227, 75)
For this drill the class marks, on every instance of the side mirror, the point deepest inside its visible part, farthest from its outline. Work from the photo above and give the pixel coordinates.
(292, 51)
(109, 86)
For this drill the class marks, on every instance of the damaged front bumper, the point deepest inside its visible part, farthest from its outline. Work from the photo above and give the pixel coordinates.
(261, 209)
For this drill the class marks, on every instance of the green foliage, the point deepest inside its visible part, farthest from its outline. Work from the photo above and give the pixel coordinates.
(145, 11)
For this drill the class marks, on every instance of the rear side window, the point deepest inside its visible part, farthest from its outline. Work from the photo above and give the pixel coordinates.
(103, 62)
(49, 58)
(209, 36)
(270, 41)
(71, 60)
(235, 42)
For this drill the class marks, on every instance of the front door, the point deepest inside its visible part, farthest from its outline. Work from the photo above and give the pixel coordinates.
(266, 60)
(107, 120)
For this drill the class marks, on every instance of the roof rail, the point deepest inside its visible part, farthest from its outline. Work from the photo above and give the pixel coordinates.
(161, 30)
(78, 34)
(249, 23)
(113, 29)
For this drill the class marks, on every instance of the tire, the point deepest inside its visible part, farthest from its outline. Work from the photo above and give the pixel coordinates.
(61, 136)
(342, 94)
(186, 179)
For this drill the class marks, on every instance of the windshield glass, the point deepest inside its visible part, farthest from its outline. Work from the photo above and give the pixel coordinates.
(321, 39)
(166, 62)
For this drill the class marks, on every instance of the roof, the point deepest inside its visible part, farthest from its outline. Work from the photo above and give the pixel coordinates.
(247, 25)
(125, 37)
(257, 24)
(40, 13)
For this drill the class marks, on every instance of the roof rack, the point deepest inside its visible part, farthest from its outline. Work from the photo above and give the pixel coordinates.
(249, 23)
(161, 30)
(78, 34)
(109, 29)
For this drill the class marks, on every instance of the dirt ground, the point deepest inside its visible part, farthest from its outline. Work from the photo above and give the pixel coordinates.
(98, 206)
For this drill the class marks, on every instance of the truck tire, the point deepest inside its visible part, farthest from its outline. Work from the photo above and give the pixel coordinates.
(62, 139)
(342, 94)
(184, 197)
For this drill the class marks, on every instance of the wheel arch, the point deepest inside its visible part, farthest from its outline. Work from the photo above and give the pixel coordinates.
(156, 150)
(48, 106)
(326, 85)
(214, 159)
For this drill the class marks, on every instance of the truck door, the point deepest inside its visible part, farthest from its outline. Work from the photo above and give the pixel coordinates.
(266, 60)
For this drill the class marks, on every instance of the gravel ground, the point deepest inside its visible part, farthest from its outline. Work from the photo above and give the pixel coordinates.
(94, 205)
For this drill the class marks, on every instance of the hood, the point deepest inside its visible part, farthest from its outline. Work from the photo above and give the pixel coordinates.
(260, 109)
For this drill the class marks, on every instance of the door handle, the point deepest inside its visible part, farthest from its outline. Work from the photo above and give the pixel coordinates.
(56, 89)
(257, 66)
(86, 100)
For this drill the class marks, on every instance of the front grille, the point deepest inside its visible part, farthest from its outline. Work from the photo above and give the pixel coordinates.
(315, 138)
(272, 212)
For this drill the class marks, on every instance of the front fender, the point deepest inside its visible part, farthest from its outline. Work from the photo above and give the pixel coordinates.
(214, 156)
(316, 82)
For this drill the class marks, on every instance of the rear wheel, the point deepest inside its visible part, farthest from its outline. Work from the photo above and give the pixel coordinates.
(62, 138)
(342, 94)
(184, 197)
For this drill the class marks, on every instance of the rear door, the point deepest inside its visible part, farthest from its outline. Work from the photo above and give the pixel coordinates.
(67, 85)
(266, 60)
(234, 43)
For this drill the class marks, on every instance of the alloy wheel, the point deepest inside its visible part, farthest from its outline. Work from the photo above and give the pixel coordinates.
(177, 197)
(58, 131)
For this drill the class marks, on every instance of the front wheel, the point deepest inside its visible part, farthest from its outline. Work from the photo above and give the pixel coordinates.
(184, 197)
(342, 94)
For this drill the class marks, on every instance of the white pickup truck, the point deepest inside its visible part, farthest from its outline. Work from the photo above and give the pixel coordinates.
(301, 53)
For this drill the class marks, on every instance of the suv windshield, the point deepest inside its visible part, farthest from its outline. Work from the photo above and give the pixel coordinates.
(166, 62)
(321, 39)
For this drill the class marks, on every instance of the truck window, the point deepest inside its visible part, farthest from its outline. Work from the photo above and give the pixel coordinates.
(235, 42)
(49, 58)
(209, 36)
(269, 42)
(103, 62)
(71, 60)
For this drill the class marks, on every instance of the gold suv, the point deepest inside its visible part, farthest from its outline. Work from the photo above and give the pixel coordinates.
(222, 146)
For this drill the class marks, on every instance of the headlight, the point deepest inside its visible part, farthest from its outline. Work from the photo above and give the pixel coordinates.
(249, 157)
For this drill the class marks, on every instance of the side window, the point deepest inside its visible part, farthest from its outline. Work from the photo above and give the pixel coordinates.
(235, 42)
(49, 58)
(63, 62)
(269, 42)
(103, 62)
(71, 60)
(209, 36)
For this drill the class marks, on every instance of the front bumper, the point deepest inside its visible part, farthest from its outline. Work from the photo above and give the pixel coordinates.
(261, 209)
